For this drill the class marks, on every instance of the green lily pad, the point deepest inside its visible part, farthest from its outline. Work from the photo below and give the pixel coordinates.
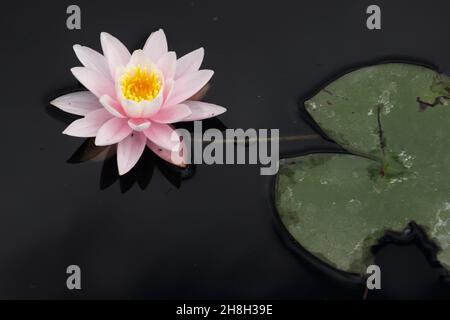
(394, 120)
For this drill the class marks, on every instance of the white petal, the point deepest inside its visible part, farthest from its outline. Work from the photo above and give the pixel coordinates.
(152, 107)
(144, 108)
(139, 58)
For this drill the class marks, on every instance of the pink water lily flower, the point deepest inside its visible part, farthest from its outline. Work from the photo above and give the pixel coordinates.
(133, 98)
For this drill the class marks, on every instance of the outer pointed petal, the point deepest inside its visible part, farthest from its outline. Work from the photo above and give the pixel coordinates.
(172, 114)
(129, 150)
(115, 52)
(89, 125)
(168, 88)
(112, 106)
(164, 136)
(139, 124)
(177, 157)
(79, 103)
(156, 45)
(94, 81)
(201, 94)
(202, 110)
(92, 59)
(187, 86)
(189, 63)
(113, 131)
(167, 64)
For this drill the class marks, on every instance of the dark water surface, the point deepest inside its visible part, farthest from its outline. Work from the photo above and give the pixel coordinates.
(213, 235)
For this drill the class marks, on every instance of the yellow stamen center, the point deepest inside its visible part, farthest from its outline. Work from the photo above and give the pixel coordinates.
(140, 84)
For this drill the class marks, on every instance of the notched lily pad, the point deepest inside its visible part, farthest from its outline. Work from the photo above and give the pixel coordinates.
(394, 119)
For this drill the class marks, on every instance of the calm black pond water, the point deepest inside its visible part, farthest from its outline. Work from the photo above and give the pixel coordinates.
(214, 235)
